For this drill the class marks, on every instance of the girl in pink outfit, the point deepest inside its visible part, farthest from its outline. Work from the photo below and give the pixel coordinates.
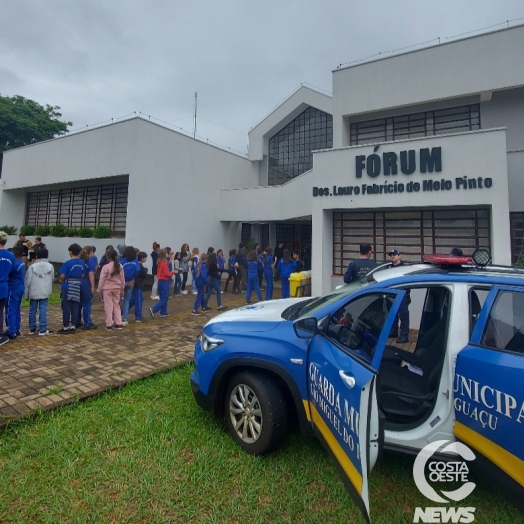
(111, 289)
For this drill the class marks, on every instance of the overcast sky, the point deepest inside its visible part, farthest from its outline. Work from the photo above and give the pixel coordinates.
(103, 59)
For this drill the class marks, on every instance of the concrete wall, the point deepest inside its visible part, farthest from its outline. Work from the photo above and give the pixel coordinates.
(475, 65)
(506, 108)
(174, 181)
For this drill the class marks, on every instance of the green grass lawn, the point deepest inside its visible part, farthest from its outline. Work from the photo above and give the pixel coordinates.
(53, 299)
(147, 453)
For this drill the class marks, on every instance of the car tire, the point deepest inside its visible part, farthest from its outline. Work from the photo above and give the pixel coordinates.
(255, 411)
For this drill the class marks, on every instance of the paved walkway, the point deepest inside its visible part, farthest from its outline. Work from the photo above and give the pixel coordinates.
(39, 373)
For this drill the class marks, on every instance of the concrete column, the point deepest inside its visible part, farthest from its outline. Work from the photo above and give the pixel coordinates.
(322, 251)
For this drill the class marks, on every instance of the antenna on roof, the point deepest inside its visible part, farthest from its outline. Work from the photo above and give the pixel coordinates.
(195, 116)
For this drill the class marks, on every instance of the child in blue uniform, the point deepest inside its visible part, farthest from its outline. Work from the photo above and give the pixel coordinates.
(286, 266)
(200, 281)
(131, 269)
(16, 292)
(269, 264)
(70, 275)
(253, 265)
(87, 289)
(7, 261)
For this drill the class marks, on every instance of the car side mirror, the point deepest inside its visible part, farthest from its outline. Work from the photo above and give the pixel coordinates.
(305, 327)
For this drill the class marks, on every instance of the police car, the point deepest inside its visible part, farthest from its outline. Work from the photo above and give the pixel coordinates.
(330, 364)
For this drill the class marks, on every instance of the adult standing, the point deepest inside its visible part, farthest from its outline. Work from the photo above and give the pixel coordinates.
(7, 262)
(154, 270)
(184, 264)
(279, 253)
(403, 311)
(360, 267)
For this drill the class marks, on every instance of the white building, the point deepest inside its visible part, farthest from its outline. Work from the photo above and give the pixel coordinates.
(422, 151)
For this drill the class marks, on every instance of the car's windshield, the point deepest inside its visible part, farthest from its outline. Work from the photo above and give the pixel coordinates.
(310, 307)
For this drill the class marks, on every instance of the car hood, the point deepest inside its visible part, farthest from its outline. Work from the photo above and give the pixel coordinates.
(262, 316)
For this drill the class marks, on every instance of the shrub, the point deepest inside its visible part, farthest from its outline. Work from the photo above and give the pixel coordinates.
(72, 232)
(85, 232)
(43, 231)
(102, 232)
(59, 230)
(27, 230)
(10, 230)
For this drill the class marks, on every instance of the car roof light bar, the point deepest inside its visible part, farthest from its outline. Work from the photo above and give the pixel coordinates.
(447, 260)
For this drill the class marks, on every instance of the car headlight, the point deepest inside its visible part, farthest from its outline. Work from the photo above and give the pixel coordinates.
(208, 343)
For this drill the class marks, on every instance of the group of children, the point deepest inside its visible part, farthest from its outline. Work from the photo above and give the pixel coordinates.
(121, 282)
(246, 269)
(19, 280)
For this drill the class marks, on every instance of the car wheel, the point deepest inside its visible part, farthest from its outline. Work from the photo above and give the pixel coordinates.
(255, 412)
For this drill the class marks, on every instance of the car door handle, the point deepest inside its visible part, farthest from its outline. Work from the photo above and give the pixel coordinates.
(349, 380)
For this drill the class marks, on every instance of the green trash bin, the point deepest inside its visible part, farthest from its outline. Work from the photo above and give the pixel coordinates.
(296, 282)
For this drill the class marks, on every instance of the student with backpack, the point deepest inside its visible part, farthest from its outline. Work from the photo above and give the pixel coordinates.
(137, 298)
(70, 275)
(131, 269)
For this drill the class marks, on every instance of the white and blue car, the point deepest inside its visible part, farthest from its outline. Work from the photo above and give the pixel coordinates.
(332, 366)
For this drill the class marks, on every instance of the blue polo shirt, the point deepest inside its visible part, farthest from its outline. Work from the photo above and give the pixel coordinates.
(7, 263)
(72, 268)
(17, 276)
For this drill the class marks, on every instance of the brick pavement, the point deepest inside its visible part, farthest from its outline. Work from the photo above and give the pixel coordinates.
(40, 373)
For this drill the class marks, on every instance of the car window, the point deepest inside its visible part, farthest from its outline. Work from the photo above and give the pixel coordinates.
(477, 297)
(505, 325)
(357, 325)
(313, 306)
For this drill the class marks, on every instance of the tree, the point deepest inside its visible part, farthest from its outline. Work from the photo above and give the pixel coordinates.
(24, 121)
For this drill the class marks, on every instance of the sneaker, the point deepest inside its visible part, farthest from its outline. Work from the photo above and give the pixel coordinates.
(141, 320)
(164, 316)
(12, 337)
(151, 312)
(155, 298)
(32, 332)
(44, 333)
(221, 308)
(194, 292)
(125, 322)
(118, 326)
(194, 313)
(65, 331)
(88, 327)
(184, 292)
(109, 328)
(3, 340)
(248, 303)
(206, 309)
(402, 340)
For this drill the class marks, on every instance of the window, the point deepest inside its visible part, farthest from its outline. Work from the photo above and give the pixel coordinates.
(505, 327)
(357, 325)
(90, 206)
(290, 150)
(517, 237)
(413, 233)
(414, 125)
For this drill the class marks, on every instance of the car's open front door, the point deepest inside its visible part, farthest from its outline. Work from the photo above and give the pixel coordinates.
(343, 361)
(489, 392)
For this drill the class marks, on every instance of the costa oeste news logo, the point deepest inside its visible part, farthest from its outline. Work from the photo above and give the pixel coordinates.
(443, 471)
